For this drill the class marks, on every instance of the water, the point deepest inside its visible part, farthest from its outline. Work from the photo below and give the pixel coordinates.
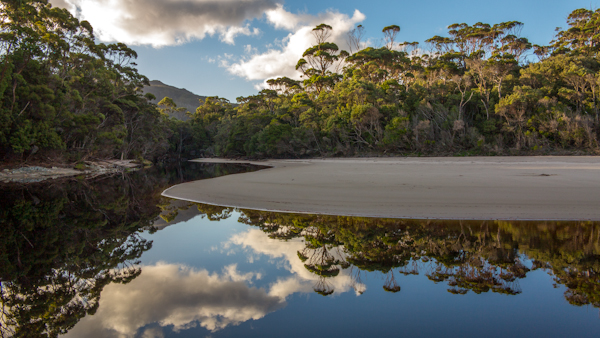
(112, 258)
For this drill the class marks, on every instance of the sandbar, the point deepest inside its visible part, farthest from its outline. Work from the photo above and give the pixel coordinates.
(470, 188)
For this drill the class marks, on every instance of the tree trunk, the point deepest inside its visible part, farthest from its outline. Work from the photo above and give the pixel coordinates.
(487, 111)
(500, 89)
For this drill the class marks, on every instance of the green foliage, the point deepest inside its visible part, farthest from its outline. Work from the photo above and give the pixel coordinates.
(395, 130)
(474, 94)
(61, 91)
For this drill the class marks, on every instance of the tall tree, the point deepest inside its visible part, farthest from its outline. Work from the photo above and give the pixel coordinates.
(389, 35)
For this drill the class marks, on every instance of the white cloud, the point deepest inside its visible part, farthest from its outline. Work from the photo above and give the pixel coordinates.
(261, 85)
(278, 62)
(168, 22)
(248, 49)
(231, 272)
(281, 18)
(172, 294)
(171, 22)
(229, 35)
(153, 332)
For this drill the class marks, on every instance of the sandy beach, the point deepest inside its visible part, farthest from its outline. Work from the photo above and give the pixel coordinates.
(480, 188)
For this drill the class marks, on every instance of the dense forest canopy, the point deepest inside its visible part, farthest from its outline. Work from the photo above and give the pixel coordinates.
(62, 91)
(478, 89)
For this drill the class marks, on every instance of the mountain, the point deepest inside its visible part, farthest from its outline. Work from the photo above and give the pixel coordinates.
(177, 212)
(182, 97)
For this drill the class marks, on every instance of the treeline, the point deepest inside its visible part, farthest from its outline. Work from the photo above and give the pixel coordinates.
(476, 91)
(481, 89)
(62, 95)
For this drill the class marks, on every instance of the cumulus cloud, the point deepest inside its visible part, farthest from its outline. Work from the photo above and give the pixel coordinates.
(172, 294)
(281, 61)
(281, 18)
(168, 22)
(171, 22)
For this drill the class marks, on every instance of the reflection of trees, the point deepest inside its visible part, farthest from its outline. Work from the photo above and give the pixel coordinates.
(213, 212)
(571, 253)
(473, 258)
(466, 255)
(62, 242)
(390, 284)
(319, 259)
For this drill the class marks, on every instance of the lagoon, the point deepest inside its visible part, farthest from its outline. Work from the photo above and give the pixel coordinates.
(111, 257)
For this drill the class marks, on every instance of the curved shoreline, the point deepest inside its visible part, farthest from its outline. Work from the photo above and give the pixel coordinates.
(471, 188)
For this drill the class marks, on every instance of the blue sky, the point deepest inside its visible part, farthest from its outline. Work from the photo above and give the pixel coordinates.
(230, 47)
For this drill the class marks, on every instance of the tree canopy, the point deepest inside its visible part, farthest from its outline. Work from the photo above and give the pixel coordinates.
(478, 89)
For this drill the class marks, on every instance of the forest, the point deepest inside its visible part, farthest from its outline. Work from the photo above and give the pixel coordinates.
(481, 89)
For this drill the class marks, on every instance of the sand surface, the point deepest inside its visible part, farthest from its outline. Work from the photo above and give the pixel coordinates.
(526, 188)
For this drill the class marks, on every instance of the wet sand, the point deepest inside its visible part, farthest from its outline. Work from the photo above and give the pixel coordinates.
(480, 188)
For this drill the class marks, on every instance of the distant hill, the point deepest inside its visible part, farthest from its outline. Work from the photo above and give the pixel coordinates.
(183, 211)
(182, 97)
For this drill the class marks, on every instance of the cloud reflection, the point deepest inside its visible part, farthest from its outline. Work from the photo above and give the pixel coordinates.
(301, 280)
(177, 296)
(182, 297)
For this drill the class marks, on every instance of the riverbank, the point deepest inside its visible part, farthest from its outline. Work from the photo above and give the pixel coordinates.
(32, 174)
(481, 188)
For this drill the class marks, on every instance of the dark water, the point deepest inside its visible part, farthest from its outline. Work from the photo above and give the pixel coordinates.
(112, 258)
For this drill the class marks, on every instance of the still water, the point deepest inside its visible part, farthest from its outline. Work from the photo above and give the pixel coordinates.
(110, 257)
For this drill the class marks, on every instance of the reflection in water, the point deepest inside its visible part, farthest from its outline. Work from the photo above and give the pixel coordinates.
(70, 252)
(63, 242)
(301, 279)
(332, 255)
(466, 255)
(181, 297)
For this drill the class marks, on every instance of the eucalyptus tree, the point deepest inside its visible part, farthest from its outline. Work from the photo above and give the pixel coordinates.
(60, 90)
(355, 38)
(285, 85)
(410, 48)
(583, 34)
(321, 62)
(380, 67)
(463, 85)
(389, 35)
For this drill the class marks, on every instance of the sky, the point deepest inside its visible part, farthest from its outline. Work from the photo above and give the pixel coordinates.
(229, 48)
